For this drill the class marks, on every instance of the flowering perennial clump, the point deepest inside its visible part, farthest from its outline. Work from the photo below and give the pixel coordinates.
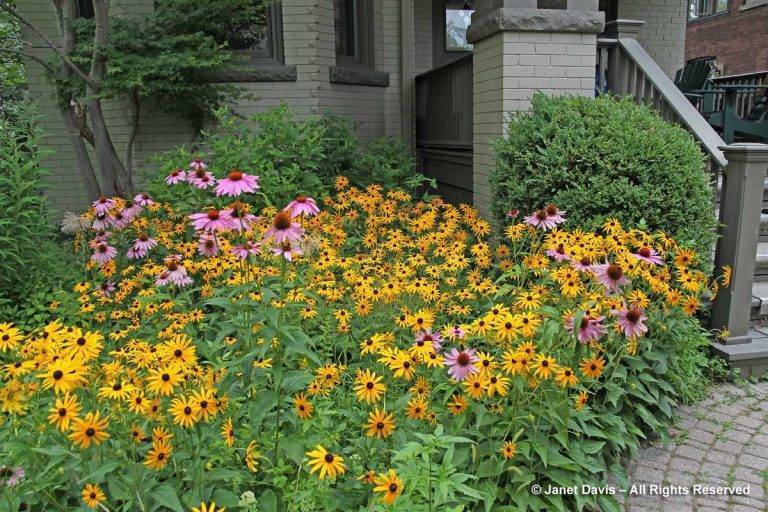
(327, 354)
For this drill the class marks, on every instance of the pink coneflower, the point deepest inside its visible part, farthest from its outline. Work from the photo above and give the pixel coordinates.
(12, 476)
(144, 242)
(162, 279)
(511, 214)
(428, 337)
(197, 165)
(303, 205)
(176, 176)
(648, 254)
(241, 219)
(103, 253)
(248, 247)
(102, 205)
(207, 245)
(175, 272)
(101, 222)
(456, 332)
(558, 253)
(107, 288)
(283, 228)
(589, 329)
(119, 220)
(547, 218)
(236, 183)
(631, 321)
(212, 219)
(143, 200)
(287, 250)
(134, 253)
(583, 264)
(611, 275)
(201, 179)
(132, 211)
(461, 364)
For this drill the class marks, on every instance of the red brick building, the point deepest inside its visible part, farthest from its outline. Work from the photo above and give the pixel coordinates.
(733, 31)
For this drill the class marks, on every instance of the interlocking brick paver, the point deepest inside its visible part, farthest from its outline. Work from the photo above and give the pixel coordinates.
(720, 442)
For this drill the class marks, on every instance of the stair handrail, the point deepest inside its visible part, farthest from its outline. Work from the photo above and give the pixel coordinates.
(675, 100)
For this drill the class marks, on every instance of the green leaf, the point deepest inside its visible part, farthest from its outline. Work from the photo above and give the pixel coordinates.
(268, 501)
(166, 496)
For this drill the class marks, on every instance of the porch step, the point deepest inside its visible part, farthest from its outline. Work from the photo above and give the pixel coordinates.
(759, 306)
(762, 235)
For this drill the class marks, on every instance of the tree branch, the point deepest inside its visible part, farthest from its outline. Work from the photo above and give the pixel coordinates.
(13, 12)
(30, 56)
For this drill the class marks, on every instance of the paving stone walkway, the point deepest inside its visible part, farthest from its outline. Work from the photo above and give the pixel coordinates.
(721, 441)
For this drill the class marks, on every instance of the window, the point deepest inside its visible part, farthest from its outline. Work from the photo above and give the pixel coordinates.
(85, 9)
(261, 41)
(353, 22)
(458, 16)
(698, 9)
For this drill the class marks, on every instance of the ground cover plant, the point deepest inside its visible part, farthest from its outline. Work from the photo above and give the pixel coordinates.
(358, 352)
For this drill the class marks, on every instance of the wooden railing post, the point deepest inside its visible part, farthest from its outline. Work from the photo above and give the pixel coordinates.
(740, 204)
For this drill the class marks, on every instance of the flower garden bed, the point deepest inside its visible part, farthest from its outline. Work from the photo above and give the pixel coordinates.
(368, 352)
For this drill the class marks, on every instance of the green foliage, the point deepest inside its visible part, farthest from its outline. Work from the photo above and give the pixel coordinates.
(34, 262)
(12, 79)
(172, 56)
(601, 158)
(687, 345)
(290, 156)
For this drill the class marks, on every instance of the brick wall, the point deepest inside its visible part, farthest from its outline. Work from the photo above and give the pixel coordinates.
(739, 39)
(663, 35)
(308, 35)
(508, 67)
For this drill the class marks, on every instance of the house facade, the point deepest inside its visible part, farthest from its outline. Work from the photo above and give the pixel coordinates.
(363, 58)
(735, 32)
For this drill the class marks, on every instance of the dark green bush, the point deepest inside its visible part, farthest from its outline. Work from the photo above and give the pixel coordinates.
(601, 158)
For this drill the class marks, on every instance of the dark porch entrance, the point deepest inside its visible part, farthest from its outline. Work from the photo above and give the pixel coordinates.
(444, 128)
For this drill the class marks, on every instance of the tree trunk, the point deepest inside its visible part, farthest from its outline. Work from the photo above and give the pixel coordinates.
(135, 118)
(66, 13)
(84, 167)
(109, 162)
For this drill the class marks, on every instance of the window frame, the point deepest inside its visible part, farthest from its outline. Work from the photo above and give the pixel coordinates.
(364, 42)
(444, 25)
(711, 12)
(275, 51)
(441, 55)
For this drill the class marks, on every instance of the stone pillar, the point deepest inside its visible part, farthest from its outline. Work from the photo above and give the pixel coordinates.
(744, 348)
(664, 34)
(740, 203)
(519, 50)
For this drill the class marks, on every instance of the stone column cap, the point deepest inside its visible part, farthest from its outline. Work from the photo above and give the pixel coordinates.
(535, 20)
(623, 27)
(746, 151)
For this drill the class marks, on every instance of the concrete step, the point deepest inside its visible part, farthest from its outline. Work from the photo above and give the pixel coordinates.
(759, 306)
(763, 234)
